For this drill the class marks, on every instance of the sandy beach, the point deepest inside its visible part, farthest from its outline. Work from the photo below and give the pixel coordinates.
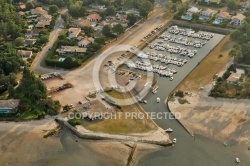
(23, 143)
(227, 120)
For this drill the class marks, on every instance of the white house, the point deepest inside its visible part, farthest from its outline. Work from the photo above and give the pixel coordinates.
(208, 12)
(74, 32)
(238, 19)
(192, 11)
(97, 6)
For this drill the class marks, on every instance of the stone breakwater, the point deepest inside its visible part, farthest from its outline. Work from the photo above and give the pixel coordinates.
(158, 137)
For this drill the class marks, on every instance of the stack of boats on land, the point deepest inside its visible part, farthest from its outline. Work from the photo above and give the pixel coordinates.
(146, 66)
(190, 33)
(167, 59)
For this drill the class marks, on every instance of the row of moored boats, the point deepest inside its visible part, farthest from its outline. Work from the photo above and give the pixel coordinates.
(167, 59)
(161, 70)
(173, 49)
(182, 40)
(191, 33)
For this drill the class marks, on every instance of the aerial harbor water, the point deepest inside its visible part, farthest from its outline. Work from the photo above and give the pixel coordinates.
(188, 150)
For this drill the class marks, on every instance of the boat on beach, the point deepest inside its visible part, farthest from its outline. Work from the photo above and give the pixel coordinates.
(237, 160)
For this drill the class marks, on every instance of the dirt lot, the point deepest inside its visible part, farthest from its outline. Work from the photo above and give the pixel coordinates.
(212, 64)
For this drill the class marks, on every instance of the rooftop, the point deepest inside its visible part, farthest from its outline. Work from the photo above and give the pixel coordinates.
(239, 16)
(9, 104)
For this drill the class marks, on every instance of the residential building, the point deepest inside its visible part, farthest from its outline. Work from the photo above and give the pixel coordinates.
(97, 6)
(32, 34)
(208, 12)
(9, 106)
(86, 42)
(213, 1)
(44, 18)
(74, 32)
(192, 11)
(70, 50)
(80, 23)
(223, 15)
(245, 5)
(25, 54)
(42, 24)
(94, 17)
(238, 19)
(29, 42)
(21, 13)
(235, 76)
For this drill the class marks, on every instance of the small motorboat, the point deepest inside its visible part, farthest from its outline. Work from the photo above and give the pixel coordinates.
(237, 160)
(145, 101)
(169, 130)
(174, 140)
(158, 100)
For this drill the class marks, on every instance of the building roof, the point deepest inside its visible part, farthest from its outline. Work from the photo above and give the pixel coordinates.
(70, 49)
(84, 42)
(21, 13)
(44, 17)
(233, 77)
(74, 31)
(33, 32)
(9, 104)
(240, 72)
(82, 23)
(94, 16)
(224, 14)
(208, 10)
(239, 16)
(25, 53)
(29, 41)
(193, 9)
(42, 24)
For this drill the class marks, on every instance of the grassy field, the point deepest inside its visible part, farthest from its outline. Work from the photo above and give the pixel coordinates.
(213, 63)
(122, 125)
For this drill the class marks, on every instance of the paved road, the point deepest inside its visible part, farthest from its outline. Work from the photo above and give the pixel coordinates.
(37, 63)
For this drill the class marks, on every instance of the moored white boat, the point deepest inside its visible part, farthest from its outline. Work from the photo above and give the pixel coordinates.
(169, 130)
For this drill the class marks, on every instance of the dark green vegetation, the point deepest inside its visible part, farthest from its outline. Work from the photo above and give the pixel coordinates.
(11, 25)
(238, 89)
(74, 122)
(16, 81)
(242, 36)
(10, 64)
(34, 102)
(73, 60)
(79, 8)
